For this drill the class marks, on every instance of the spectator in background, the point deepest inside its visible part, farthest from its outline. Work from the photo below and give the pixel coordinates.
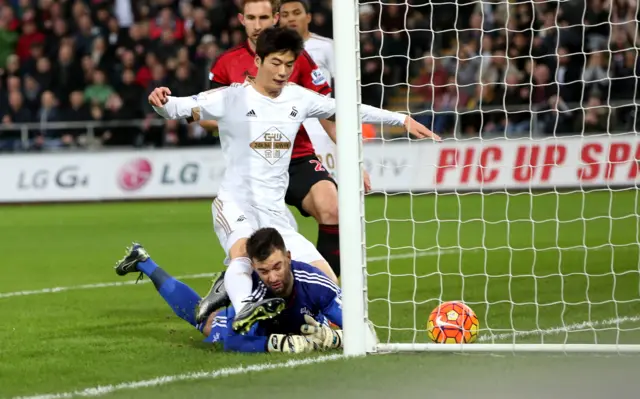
(568, 76)
(43, 74)
(430, 85)
(8, 40)
(494, 65)
(49, 112)
(370, 74)
(541, 88)
(516, 121)
(77, 111)
(448, 105)
(596, 74)
(594, 118)
(36, 53)
(555, 117)
(130, 92)
(86, 34)
(68, 73)
(12, 66)
(99, 90)
(10, 140)
(8, 17)
(166, 22)
(116, 110)
(30, 35)
(32, 91)
(627, 78)
(503, 55)
(99, 55)
(432, 80)
(17, 111)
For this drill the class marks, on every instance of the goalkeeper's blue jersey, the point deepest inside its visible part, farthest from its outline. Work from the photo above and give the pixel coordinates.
(313, 293)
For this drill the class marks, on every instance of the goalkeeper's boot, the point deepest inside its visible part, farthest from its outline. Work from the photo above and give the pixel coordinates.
(217, 298)
(129, 264)
(253, 312)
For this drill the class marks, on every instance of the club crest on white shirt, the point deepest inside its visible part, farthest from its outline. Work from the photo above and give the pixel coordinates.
(271, 145)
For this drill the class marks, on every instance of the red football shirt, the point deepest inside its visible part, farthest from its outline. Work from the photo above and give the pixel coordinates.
(234, 65)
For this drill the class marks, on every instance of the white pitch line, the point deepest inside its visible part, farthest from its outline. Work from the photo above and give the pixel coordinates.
(93, 286)
(191, 276)
(585, 325)
(209, 375)
(201, 375)
(417, 254)
(380, 258)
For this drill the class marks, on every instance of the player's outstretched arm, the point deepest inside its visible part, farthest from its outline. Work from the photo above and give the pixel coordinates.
(325, 108)
(330, 127)
(207, 105)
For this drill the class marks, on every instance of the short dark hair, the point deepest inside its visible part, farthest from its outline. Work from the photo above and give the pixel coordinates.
(278, 40)
(263, 242)
(305, 4)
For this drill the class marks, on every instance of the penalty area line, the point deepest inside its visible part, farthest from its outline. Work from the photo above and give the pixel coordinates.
(55, 290)
(379, 258)
(201, 375)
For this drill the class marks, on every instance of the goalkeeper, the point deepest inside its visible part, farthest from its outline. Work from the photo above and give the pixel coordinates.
(312, 300)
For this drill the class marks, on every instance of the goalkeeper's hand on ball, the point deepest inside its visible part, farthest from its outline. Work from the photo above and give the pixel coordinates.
(291, 343)
(327, 337)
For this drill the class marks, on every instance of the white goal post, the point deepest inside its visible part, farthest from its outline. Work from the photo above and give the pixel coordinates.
(351, 199)
(539, 233)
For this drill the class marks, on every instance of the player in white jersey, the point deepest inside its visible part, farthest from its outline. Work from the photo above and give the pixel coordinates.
(258, 122)
(295, 14)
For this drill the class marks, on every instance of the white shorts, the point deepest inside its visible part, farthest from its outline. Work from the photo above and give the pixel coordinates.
(291, 218)
(233, 221)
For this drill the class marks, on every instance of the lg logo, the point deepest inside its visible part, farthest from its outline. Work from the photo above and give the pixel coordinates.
(67, 177)
(136, 174)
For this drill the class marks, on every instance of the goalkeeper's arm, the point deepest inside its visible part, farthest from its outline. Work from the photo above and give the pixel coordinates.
(333, 311)
(252, 342)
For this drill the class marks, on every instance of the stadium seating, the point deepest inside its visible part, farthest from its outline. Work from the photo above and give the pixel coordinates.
(68, 67)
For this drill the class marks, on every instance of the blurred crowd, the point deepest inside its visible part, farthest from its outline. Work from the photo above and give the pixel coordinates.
(466, 67)
(541, 67)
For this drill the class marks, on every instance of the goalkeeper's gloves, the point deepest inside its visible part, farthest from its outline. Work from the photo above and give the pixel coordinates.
(290, 343)
(325, 335)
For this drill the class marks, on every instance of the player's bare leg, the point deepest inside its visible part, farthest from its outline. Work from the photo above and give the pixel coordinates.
(322, 203)
(238, 285)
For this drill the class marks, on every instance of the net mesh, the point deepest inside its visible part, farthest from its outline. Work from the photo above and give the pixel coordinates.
(528, 211)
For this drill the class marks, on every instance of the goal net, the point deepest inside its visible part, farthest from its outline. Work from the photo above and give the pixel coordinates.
(528, 210)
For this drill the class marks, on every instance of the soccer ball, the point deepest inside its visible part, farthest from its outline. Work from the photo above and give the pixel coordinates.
(453, 323)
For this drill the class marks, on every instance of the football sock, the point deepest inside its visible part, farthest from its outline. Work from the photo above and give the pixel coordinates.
(329, 245)
(238, 282)
(181, 298)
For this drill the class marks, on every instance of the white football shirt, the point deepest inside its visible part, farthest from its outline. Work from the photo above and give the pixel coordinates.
(257, 133)
(321, 50)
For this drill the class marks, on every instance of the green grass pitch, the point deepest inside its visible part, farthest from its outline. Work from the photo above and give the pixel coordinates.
(549, 267)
